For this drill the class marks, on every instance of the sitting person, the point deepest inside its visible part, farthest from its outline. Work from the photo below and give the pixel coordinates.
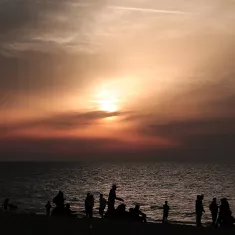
(139, 214)
(7, 206)
(59, 199)
(68, 211)
(121, 212)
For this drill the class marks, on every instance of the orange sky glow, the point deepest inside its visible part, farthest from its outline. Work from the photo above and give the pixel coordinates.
(136, 75)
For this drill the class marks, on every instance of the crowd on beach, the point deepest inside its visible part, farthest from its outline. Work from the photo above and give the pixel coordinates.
(221, 215)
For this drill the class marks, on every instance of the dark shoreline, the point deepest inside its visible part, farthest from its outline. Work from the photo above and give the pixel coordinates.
(25, 224)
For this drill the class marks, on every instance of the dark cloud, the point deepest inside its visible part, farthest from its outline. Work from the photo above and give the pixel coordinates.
(24, 148)
(202, 140)
(61, 121)
(187, 128)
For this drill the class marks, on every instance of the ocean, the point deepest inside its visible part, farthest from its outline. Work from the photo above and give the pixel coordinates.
(31, 185)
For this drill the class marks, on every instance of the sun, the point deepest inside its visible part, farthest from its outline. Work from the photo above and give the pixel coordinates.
(108, 105)
(107, 101)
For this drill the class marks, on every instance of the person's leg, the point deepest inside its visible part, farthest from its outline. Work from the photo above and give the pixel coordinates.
(144, 219)
(102, 213)
(200, 220)
(214, 216)
(163, 218)
(90, 212)
(197, 219)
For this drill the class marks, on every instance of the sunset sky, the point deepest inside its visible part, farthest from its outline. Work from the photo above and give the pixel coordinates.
(115, 78)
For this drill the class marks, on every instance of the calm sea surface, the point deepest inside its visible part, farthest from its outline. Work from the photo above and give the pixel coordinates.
(31, 185)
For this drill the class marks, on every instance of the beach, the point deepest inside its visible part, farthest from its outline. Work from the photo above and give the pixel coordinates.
(26, 224)
(30, 185)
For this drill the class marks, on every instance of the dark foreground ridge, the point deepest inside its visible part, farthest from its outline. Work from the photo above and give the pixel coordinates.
(23, 224)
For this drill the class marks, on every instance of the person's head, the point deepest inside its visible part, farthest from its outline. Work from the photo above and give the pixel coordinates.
(7, 200)
(101, 195)
(166, 202)
(226, 201)
(202, 197)
(123, 207)
(214, 199)
(198, 197)
(60, 193)
(137, 207)
(48, 202)
(88, 195)
(68, 205)
(114, 186)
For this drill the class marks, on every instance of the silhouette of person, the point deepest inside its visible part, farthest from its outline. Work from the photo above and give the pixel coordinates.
(225, 217)
(112, 198)
(6, 204)
(89, 204)
(68, 211)
(139, 214)
(102, 205)
(59, 199)
(199, 209)
(121, 213)
(214, 211)
(48, 208)
(166, 209)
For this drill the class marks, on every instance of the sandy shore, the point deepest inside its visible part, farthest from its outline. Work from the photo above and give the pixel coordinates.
(17, 224)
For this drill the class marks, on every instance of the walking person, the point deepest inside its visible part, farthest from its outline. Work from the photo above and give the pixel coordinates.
(89, 204)
(103, 203)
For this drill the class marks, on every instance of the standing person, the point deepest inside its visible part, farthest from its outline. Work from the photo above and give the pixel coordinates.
(199, 209)
(112, 198)
(214, 211)
(102, 205)
(6, 204)
(48, 208)
(225, 217)
(166, 209)
(89, 204)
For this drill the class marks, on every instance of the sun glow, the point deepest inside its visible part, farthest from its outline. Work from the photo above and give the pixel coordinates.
(107, 101)
(108, 106)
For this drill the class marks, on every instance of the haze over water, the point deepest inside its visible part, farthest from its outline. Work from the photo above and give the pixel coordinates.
(31, 185)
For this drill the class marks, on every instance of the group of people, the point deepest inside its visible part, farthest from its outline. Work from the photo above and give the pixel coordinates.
(221, 215)
(112, 212)
(8, 206)
(61, 208)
